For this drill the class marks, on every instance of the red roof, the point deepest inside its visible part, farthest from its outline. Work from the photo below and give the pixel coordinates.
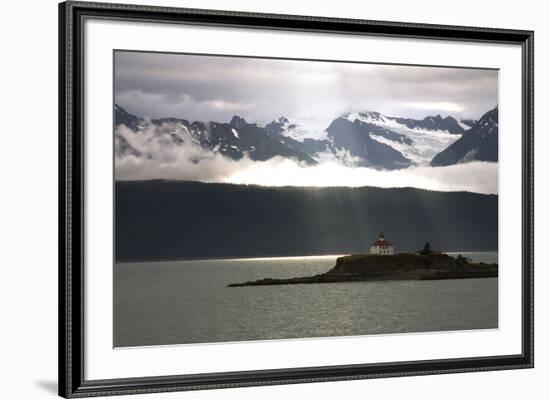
(381, 243)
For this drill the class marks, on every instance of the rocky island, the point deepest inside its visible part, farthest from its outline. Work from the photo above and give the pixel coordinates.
(405, 266)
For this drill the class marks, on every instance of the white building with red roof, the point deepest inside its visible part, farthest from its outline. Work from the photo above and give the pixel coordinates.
(381, 246)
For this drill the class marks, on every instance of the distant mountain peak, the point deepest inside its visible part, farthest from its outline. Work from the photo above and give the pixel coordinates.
(283, 119)
(362, 114)
(429, 123)
(122, 110)
(370, 113)
(479, 143)
(237, 122)
(365, 138)
(297, 129)
(123, 117)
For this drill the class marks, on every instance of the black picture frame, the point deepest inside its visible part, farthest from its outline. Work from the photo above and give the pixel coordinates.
(72, 383)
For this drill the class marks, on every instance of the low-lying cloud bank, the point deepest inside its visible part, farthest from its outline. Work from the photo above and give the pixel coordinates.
(480, 177)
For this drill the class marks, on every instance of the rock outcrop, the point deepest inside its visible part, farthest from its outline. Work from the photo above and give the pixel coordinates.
(355, 268)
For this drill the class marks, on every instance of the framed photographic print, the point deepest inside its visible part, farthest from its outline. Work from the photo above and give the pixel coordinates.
(253, 199)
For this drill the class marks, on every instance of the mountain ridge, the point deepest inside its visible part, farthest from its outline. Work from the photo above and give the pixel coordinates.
(356, 139)
(479, 143)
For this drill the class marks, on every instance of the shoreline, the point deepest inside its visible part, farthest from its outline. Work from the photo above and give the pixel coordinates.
(267, 282)
(117, 262)
(368, 267)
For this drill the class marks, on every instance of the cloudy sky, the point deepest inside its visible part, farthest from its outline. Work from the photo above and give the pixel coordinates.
(210, 88)
(216, 88)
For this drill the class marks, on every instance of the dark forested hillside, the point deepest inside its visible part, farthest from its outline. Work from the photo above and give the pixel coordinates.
(170, 220)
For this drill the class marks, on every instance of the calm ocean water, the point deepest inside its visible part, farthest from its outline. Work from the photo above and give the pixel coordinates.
(179, 302)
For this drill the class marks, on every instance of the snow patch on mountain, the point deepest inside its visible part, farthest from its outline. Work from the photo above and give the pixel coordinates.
(425, 143)
(345, 157)
(391, 123)
(469, 156)
(302, 128)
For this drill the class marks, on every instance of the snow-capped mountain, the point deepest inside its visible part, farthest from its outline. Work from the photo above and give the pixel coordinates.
(366, 139)
(354, 143)
(480, 143)
(237, 139)
(298, 129)
(417, 140)
(430, 123)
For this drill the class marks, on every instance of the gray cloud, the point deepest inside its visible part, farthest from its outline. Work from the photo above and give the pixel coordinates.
(480, 177)
(189, 161)
(215, 88)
